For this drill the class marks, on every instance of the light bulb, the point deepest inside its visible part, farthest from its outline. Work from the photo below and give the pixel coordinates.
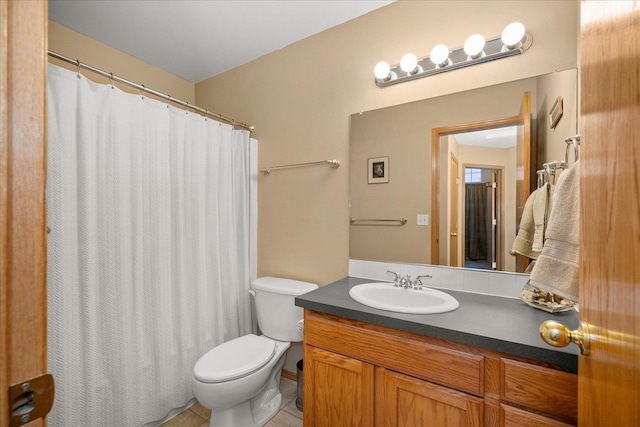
(439, 55)
(382, 70)
(512, 34)
(409, 63)
(474, 45)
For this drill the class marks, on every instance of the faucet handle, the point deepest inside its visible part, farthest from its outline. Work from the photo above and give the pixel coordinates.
(418, 282)
(396, 279)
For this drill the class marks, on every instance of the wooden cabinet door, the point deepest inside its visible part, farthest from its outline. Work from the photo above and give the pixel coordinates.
(338, 390)
(408, 401)
(514, 417)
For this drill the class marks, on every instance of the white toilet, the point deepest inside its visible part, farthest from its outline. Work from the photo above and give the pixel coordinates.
(239, 380)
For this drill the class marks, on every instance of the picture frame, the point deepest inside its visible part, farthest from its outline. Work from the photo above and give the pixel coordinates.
(555, 113)
(378, 170)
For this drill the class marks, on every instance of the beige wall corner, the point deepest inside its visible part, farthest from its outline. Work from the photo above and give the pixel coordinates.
(77, 46)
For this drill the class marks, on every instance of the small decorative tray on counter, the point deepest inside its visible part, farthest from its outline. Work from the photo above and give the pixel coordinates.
(545, 301)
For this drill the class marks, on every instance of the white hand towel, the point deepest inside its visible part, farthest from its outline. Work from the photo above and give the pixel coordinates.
(556, 270)
(524, 240)
(541, 210)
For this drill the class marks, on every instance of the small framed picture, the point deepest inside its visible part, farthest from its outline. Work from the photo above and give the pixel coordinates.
(555, 113)
(378, 170)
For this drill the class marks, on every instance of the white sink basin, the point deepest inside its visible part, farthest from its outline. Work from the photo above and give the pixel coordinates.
(385, 296)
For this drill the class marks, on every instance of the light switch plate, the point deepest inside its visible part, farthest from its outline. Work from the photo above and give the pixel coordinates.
(423, 219)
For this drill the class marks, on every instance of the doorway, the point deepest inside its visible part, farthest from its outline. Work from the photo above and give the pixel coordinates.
(480, 198)
(481, 223)
(515, 179)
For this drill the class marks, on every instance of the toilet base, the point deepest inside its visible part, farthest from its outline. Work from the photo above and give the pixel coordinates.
(257, 411)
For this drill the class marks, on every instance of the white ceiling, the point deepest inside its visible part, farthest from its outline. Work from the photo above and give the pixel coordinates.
(504, 137)
(200, 39)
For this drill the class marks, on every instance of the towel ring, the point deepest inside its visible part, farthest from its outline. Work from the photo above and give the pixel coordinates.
(575, 141)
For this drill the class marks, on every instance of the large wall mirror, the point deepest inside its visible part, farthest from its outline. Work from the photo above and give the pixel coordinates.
(399, 189)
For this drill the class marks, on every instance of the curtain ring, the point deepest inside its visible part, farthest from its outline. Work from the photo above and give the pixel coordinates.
(78, 67)
(111, 80)
(142, 89)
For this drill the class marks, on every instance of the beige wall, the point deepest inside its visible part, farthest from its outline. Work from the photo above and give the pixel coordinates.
(67, 42)
(300, 99)
(552, 146)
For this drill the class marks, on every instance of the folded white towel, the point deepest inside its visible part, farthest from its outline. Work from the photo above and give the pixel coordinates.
(556, 270)
(541, 210)
(523, 244)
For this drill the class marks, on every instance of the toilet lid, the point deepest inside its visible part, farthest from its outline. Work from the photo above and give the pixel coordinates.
(234, 359)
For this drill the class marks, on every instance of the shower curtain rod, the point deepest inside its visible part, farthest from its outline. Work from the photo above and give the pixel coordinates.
(144, 89)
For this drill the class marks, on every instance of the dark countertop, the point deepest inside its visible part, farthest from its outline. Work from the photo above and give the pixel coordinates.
(505, 325)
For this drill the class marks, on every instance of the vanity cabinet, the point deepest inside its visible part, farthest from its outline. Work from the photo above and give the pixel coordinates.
(360, 374)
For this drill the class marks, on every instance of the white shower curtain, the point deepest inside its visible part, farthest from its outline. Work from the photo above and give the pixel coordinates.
(148, 250)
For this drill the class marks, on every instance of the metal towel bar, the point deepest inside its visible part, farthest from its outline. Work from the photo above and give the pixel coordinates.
(332, 162)
(402, 221)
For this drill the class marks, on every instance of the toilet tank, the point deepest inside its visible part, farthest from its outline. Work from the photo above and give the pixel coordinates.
(275, 306)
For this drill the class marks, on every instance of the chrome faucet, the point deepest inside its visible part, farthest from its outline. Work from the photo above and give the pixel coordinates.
(406, 282)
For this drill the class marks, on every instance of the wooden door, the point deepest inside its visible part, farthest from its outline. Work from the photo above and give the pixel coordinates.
(609, 378)
(22, 211)
(523, 167)
(493, 190)
(338, 390)
(454, 234)
(410, 402)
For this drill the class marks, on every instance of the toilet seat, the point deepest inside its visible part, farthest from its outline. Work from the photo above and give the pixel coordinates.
(234, 359)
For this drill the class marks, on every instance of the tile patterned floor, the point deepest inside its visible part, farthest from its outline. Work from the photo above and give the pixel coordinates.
(289, 415)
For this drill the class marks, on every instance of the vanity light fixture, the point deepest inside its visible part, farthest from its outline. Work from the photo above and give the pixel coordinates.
(514, 40)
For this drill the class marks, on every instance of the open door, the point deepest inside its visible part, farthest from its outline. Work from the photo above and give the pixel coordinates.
(523, 167)
(494, 220)
(23, 310)
(454, 235)
(609, 378)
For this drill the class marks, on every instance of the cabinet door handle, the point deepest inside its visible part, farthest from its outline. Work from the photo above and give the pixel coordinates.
(454, 234)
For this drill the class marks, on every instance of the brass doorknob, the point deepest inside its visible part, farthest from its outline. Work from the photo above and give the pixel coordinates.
(557, 335)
